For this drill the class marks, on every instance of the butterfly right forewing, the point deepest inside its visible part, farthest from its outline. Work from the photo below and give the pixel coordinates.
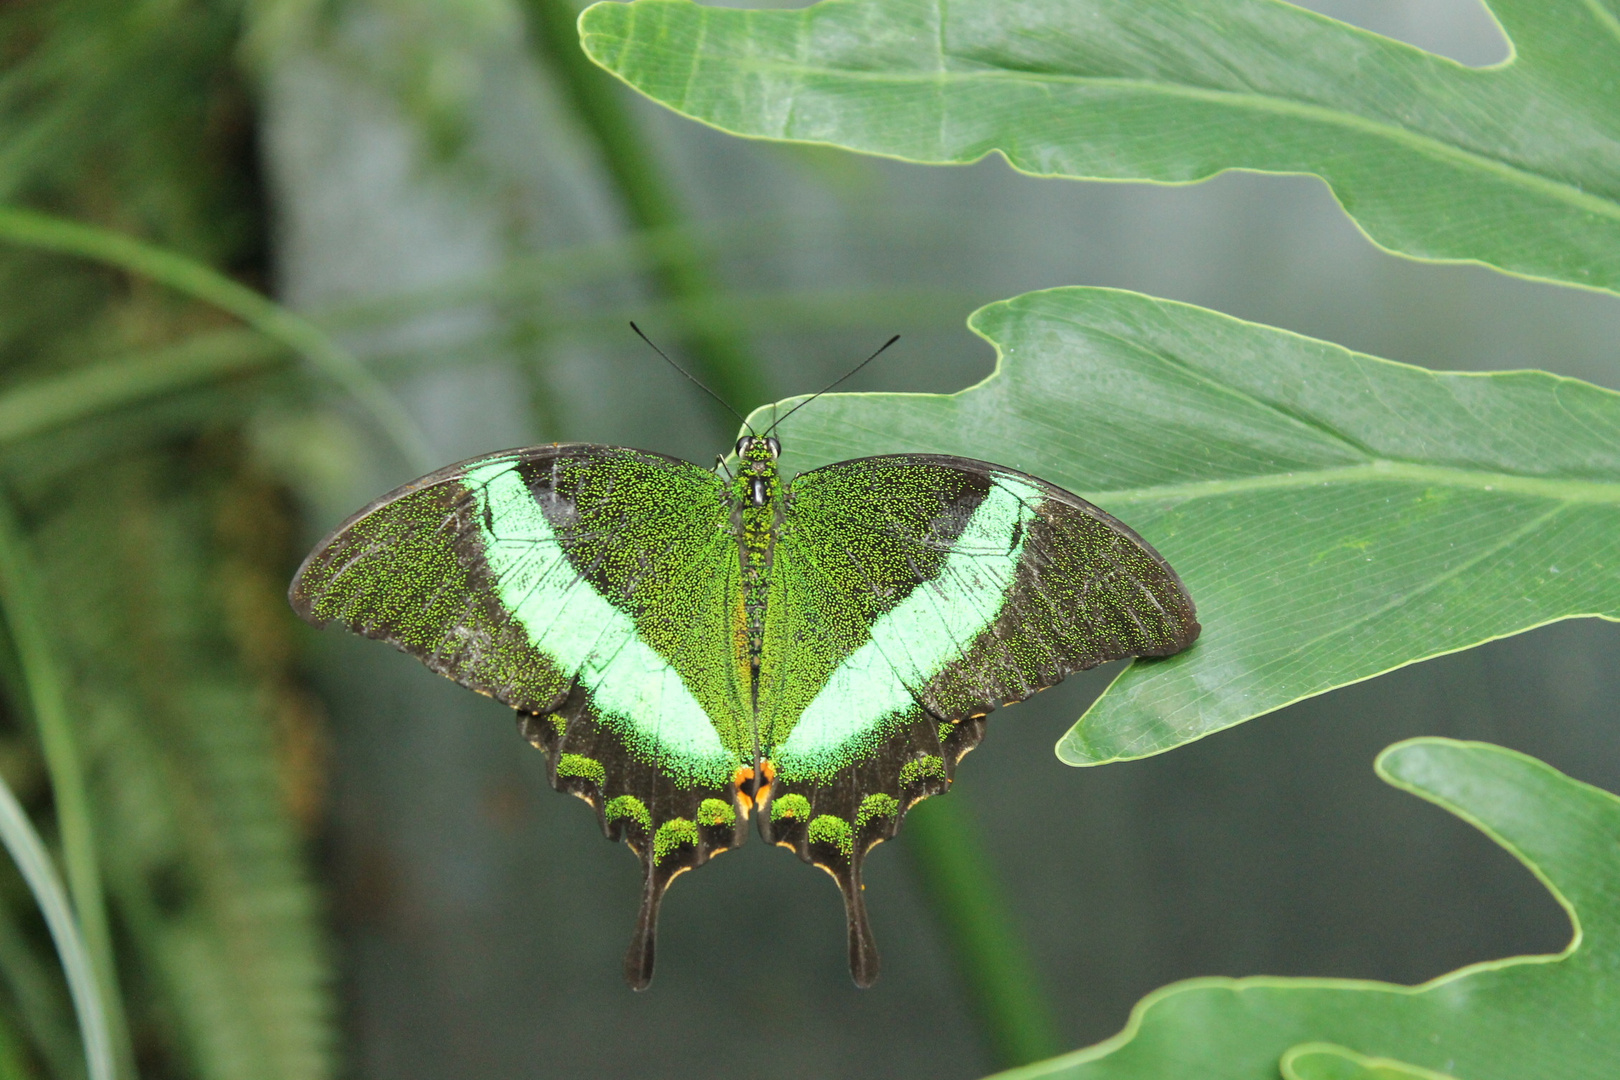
(911, 595)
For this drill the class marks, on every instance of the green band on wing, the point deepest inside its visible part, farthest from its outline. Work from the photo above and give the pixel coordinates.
(913, 642)
(633, 689)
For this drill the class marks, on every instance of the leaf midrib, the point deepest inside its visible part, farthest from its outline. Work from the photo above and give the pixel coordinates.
(1418, 143)
(1588, 492)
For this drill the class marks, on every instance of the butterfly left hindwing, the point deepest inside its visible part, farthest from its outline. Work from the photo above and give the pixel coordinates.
(594, 589)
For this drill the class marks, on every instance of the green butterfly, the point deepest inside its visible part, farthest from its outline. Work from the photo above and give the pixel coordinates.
(690, 649)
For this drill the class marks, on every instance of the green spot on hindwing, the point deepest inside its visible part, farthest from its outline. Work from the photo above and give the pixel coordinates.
(923, 768)
(793, 806)
(628, 808)
(583, 767)
(945, 731)
(874, 806)
(834, 830)
(716, 812)
(671, 835)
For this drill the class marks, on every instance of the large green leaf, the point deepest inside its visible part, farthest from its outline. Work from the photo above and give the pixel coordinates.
(1516, 165)
(1334, 515)
(1528, 1016)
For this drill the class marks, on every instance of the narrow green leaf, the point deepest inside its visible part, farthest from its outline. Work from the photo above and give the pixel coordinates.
(28, 852)
(54, 401)
(1527, 1016)
(1516, 165)
(1334, 515)
(204, 283)
(23, 605)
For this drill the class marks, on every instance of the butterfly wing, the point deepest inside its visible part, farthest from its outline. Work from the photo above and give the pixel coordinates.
(910, 596)
(595, 590)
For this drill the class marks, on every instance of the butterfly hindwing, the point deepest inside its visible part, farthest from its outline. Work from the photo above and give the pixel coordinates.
(910, 596)
(595, 590)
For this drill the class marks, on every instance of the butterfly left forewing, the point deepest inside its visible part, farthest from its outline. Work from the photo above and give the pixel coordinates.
(910, 596)
(593, 589)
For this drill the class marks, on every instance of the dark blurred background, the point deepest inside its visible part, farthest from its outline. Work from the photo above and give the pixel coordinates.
(447, 190)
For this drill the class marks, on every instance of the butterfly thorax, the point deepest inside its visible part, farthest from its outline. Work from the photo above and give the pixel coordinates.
(756, 516)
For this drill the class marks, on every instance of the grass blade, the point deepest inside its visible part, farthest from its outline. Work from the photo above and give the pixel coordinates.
(264, 315)
(28, 851)
(44, 689)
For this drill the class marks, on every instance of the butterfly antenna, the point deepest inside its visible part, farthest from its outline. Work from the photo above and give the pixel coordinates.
(834, 383)
(694, 379)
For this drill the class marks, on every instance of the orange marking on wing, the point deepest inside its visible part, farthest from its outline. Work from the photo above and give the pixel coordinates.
(768, 771)
(738, 780)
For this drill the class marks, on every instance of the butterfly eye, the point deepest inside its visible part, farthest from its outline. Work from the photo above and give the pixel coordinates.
(773, 446)
(743, 444)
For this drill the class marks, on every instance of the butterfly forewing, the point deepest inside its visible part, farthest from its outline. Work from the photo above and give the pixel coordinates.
(595, 590)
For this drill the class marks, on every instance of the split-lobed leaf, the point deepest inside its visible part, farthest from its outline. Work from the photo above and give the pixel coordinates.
(1515, 165)
(1501, 1020)
(1333, 515)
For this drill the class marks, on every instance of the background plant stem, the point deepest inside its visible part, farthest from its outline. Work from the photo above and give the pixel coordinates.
(993, 958)
(648, 199)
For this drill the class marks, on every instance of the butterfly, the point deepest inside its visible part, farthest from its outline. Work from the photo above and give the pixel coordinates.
(692, 649)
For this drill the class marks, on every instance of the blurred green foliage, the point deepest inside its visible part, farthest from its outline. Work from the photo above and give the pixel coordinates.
(162, 551)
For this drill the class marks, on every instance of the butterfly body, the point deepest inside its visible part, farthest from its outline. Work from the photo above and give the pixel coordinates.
(692, 652)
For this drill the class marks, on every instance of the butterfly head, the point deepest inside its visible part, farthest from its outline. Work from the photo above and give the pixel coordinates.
(756, 473)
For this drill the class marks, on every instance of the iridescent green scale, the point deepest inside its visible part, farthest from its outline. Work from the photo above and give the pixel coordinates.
(691, 651)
